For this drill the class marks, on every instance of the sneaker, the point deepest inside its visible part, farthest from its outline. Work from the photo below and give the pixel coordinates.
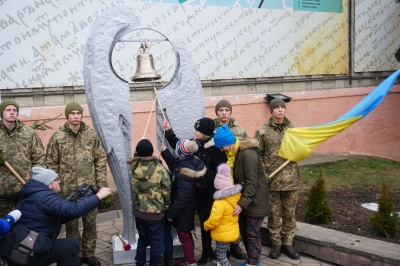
(91, 261)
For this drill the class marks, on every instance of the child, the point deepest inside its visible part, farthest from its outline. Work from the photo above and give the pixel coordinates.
(186, 170)
(151, 188)
(224, 227)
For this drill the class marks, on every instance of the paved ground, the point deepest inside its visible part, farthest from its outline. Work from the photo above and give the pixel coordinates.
(107, 229)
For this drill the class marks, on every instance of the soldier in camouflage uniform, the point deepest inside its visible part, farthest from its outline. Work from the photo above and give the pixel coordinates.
(150, 198)
(21, 147)
(77, 154)
(223, 110)
(283, 186)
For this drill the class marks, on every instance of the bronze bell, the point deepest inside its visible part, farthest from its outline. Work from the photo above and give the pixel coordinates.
(145, 70)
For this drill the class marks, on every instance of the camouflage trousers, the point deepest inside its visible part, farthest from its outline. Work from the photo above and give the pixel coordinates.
(89, 233)
(7, 204)
(282, 204)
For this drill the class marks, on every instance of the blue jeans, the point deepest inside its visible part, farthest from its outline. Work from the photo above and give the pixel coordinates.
(150, 234)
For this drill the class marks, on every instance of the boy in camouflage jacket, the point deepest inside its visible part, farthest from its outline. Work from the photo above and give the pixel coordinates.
(151, 189)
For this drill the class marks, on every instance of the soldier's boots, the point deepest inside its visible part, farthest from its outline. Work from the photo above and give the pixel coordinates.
(91, 261)
(275, 252)
(290, 252)
(237, 252)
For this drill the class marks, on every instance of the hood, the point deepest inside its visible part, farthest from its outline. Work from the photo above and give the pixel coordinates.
(143, 167)
(32, 186)
(248, 144)
(192, 167)
(231, 195)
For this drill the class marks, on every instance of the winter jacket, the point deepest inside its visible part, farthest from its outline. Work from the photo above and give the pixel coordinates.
(44, 211)
(151, 188)
(183, 193)
(270, 137)
(24, 150)
(77, 159)
(249, 171)
(211, 156)
(224, 227)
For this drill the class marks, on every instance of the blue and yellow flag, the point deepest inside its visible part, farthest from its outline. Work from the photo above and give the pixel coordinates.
(298, 142)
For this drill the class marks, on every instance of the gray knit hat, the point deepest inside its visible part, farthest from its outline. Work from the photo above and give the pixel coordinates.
(46, 176)
(275, 103)
(71, 107)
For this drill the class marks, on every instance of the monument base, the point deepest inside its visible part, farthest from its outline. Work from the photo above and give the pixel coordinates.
(122, 257)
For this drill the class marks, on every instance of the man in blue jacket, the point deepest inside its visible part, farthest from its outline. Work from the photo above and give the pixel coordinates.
(44, 211)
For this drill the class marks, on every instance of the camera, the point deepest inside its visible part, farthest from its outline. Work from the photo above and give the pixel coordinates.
(83, 191)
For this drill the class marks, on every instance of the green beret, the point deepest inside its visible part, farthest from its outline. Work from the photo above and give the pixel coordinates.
(71, 107)
(6, 103)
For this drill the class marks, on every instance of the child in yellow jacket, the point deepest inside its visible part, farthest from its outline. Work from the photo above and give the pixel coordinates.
(224, 227)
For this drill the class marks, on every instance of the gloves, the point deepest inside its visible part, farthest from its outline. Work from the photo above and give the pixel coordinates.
(3, 158)
(13, 216)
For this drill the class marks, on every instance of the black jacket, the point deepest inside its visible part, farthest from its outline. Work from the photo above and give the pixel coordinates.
(183, 192)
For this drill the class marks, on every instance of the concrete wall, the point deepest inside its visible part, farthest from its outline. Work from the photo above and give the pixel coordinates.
(377, 134)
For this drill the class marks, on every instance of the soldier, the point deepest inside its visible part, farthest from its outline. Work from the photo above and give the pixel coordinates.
(223, 110)
(283, 186)
(22, 148)
(76, 153)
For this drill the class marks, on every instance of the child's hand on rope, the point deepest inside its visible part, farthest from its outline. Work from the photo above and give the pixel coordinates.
(166, 125)
(163, 147)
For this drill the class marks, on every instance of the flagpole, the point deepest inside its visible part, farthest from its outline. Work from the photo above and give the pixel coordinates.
(279, 168)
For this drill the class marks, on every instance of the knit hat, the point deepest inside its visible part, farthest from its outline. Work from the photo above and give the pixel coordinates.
(6, 103)
(144, 148)
(223, 177)
(46, 176)
(185, 148)
(223, 137)
(275, 103)
(71, 107)
(205, 125)
(223, 103)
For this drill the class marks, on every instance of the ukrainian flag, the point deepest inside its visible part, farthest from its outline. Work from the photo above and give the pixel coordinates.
(298, 142)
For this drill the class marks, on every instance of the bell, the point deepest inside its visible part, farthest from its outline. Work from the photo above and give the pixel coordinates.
(145, 70)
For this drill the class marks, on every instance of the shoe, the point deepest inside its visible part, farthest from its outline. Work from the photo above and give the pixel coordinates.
(275, 252)
(237, 252)
(168, 258)
(91, 261)
(290, 252)
(204, 259)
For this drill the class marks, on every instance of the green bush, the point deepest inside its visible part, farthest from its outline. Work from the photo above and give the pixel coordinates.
(317, 207)
(384, 221)
(106, 202)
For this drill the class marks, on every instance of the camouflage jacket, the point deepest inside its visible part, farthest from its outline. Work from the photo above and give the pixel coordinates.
(24, 150)
(151, 185)
(237, 130)
(77, 159)
(270, 136)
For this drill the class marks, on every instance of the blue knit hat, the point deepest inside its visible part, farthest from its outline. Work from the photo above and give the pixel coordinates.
(223, 137)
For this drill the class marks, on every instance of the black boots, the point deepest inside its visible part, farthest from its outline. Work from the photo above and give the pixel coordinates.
(275, 252)
(91, 261)
(290, 252)
(236, 252)
(168, 259)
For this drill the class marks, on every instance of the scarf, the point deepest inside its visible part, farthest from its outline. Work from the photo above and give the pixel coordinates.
(231, 155)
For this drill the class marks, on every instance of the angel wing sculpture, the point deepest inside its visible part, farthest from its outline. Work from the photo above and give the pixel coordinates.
(108, 98)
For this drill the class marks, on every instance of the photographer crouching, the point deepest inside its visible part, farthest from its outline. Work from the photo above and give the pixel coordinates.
(44, 211)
